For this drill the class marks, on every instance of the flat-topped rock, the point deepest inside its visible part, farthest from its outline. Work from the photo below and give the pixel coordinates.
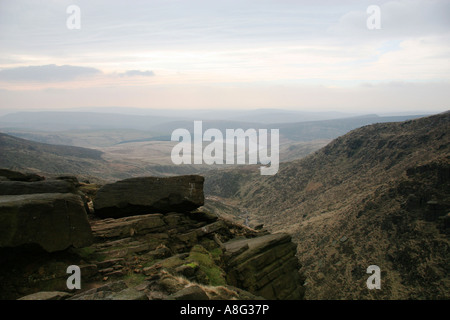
(54, 221)
(45, 186)
(136, 196)
(19, 176)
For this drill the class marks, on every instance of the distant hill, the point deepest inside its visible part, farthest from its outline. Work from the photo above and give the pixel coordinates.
(378, 195)
(96, 129)
(21, 154)
(330, 129)
(298, 131)
(65, 120)
(25, 155)
(95, 138)
(7, 141)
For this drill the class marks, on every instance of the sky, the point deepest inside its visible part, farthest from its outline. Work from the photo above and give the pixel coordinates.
(216, 54)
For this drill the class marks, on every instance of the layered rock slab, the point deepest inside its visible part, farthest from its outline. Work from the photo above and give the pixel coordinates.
(146, 195)
(54, 221)
(152, 244)
(46, 186)
(265, 266)
(10, 175)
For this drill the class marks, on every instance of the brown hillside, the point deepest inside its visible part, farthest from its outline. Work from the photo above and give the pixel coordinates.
(375, 196)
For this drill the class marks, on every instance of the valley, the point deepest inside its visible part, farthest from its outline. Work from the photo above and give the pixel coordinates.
(350, 193)
(375, 196)
(225, 150)
(131, 145)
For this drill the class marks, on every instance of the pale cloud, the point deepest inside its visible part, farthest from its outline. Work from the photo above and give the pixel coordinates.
(399, 19)
(46, 73)
(139, 73)
(229, 54)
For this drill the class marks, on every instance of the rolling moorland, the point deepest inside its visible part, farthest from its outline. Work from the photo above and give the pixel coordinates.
(100, 130)
(87, 164)
(375, 195)
(131, 145)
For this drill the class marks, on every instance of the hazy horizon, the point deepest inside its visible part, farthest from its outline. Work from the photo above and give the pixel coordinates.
(233, 55)
(211, 114)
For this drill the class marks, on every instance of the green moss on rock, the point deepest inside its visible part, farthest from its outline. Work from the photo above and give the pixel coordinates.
(205, 260)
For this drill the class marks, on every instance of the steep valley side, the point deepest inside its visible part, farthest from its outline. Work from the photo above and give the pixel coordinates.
(375, 196)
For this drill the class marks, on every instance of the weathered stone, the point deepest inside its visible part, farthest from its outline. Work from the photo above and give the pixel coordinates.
(118, 253)
(211, 228)
(72, 179)
(19, 176)
(139, 249)
(53, 221)
(150, 270)
(142, 286)
(127, 226)
(105, 292)
(106, 270)
(235, 251)
(173, 219)
(88, 270)
(110, 244)
(265, 266)
(190, 293)
(115, 273)
(129, 294)
(159, 253)
(46, 186)
(146, 195)
(195, 247)
(109, 263)
(190, 238)
(46, 295)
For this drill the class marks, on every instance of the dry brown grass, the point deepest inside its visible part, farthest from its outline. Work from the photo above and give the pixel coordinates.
(345, 206)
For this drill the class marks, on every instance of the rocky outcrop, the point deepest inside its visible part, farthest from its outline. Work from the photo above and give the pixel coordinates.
(54, 221)
(19, 176)
(178, 253)
(149, 195)
(182, 256)
(46, 186)
(202, 250)
(34, 211)
(266, 266)
(117, 290)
